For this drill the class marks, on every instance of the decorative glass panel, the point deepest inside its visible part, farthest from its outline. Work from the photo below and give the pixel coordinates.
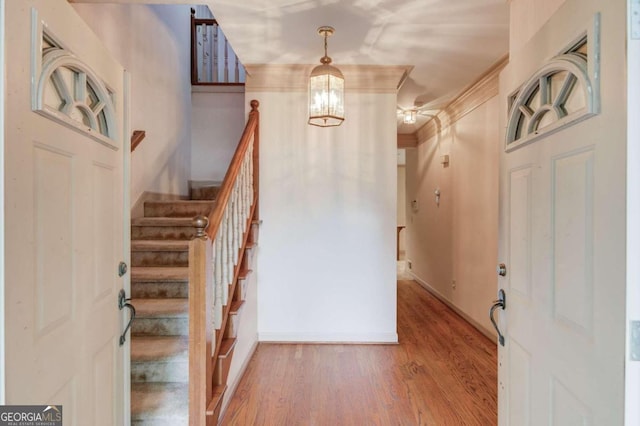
(69, 92)
(559, 94)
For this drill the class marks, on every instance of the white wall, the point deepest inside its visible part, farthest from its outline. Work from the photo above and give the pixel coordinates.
(526, 18)
(327, 268)
(632, 389)
(247, 337)
(453, 246)
(149, 41)
(217, 122)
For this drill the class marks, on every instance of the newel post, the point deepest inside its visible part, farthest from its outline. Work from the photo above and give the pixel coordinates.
(200, 323)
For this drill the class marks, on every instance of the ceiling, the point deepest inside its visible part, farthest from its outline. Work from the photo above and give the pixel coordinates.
(450, 43)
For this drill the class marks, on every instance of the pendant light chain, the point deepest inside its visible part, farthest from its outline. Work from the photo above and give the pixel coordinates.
(325, 45)
(326, 59)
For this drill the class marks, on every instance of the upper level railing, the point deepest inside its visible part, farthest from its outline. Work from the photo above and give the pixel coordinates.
(215, 259)
(213, 61)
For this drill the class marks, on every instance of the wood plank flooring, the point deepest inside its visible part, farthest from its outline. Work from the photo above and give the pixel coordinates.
(443, 372)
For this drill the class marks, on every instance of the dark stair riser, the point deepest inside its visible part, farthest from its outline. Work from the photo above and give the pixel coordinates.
(155, 326)
(177, 209)
(145, 232)
(160, 289)
(160, 371)
(160, 258)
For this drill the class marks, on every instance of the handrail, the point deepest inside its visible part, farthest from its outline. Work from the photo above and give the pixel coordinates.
(216, 260)
(137, 137)
(215, 218)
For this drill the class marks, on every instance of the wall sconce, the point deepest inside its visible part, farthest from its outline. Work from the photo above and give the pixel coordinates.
(409, 116)
(326, 90)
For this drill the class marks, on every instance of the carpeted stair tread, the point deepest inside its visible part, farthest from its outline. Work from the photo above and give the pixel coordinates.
(159, 348)
(185, 208)
(163, 221)
(161, 308)
(159, 273)
(159, 245)
(160, 403)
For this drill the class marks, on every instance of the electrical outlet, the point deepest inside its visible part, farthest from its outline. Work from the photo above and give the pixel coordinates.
(409, 264)
(453, 284)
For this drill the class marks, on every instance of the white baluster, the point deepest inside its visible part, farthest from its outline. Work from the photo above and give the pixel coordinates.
(225, 249)
(251, 170)
(247, 183)
(215, 53)
(232, 228)
(230, 244)
(236, 228)
(249, 193)
(217, 275)
(243, 203)
(224, 289)
(205, 49)
(243, 197)
(229, 258)
(199, 51)
(237, 69)
(209, 54)
(226, 60)
(247, 190)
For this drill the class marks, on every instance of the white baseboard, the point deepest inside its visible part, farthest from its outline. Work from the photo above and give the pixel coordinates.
(340, 338)
(488, 333)
(231, 389)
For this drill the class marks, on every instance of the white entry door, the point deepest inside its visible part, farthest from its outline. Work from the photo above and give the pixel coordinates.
(562, 221)
(64, 151)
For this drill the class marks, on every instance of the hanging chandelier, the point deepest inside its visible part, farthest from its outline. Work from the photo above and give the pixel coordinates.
(326, 90)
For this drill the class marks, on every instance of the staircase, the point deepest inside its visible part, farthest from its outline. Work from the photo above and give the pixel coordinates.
(188, 284)
(160, 332)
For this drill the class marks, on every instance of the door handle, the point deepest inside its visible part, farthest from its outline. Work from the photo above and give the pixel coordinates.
(502, 304)
(122, 269)
(123, 302)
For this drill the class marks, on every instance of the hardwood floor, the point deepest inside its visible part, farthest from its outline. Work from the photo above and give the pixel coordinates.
(443, 372)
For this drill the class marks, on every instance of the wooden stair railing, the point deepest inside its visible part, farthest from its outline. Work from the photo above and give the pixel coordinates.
(216, 261)
(137, 137)
(213, 60)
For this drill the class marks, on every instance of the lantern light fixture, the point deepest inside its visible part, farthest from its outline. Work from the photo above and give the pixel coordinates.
(326, 89)
(409, 116)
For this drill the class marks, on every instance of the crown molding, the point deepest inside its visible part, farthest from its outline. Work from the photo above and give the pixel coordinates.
(479, 92)
(295, 77)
